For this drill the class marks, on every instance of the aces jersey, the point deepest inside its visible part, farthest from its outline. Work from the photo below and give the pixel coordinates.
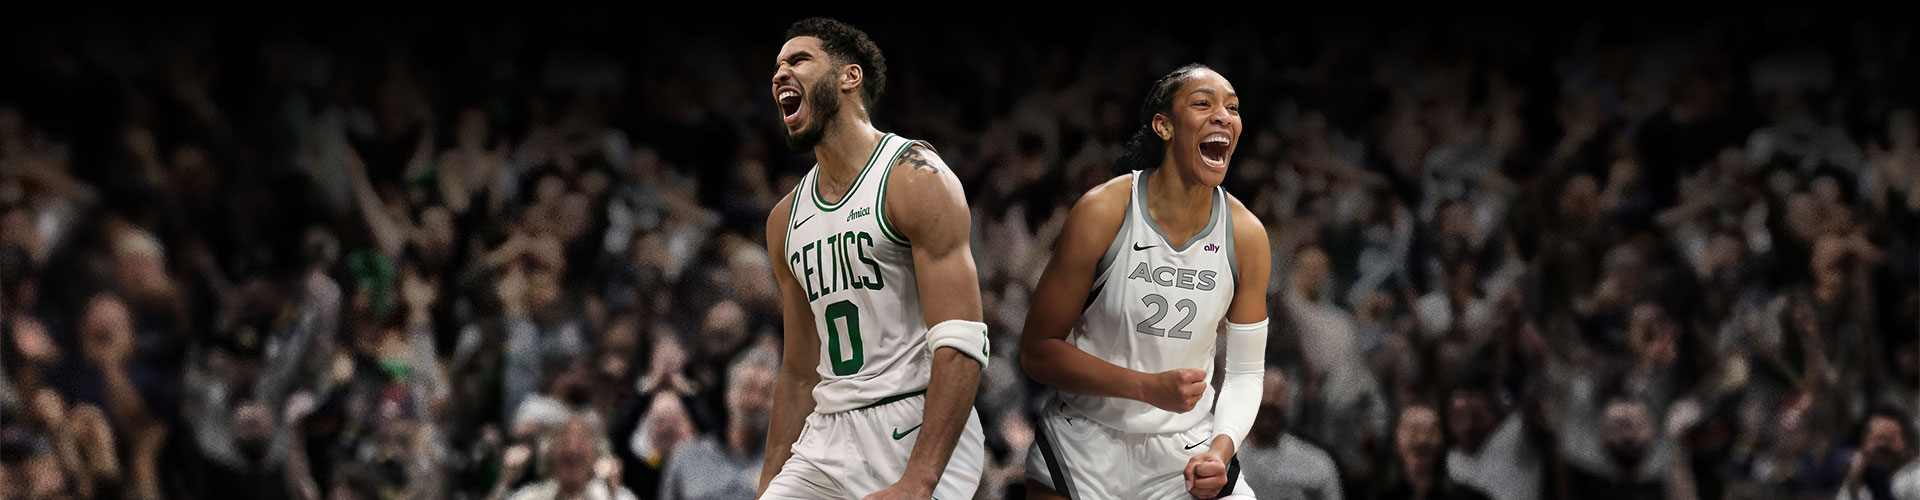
(1156, 305)
(857, 271)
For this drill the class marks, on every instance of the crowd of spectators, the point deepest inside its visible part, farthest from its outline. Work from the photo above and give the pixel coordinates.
(519, 257)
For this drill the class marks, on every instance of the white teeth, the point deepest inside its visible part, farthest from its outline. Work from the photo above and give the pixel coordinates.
(785, 95)
(1206, 155)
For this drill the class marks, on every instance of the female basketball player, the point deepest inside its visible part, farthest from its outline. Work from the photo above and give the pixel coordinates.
(1150, 267)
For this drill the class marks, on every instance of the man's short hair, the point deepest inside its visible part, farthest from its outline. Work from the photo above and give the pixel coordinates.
(846, 44)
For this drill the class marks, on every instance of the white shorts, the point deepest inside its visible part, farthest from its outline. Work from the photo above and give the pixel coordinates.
(1080, 458)
(854, 453)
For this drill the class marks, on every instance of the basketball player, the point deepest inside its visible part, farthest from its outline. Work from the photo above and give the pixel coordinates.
(884, 343)
(1151, 267)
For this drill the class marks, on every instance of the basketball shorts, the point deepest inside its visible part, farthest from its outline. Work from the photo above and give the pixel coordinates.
(854, 453)
(1080, 458)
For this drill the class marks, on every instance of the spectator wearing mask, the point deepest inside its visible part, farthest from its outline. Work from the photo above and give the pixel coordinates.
(1419, 469)
(1280, 464)
(1633, 467)
(1491, 448)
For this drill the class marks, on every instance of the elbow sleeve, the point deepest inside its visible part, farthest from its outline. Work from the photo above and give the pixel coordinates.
(1240, 391)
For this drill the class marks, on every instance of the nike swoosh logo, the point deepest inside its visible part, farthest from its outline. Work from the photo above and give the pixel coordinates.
(1192, 446)
(796, 225)
(1137, 247)
(897, 434)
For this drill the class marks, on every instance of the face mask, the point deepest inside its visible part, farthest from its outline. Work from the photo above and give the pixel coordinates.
(254, 451)
(1626, 456)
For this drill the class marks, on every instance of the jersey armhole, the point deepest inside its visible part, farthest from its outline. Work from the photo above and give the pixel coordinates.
(1100, 274)
(886, 225)
(1233, 259)
(793, 208)
(1114, 248)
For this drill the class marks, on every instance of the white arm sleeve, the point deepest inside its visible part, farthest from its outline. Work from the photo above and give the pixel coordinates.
(1239, 399)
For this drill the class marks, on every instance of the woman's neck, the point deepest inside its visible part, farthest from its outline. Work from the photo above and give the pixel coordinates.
(1181, 206)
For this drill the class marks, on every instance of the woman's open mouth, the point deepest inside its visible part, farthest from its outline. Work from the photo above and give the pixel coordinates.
(1214, 148)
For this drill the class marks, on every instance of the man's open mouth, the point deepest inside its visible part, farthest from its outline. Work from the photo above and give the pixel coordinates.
(790, 100)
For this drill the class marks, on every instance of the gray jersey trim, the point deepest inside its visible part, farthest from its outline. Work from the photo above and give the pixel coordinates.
(1232, 260)
(1113, 249)
(1140, 196)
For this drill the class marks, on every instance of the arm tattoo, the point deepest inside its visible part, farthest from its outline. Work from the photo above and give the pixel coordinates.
(914, 158)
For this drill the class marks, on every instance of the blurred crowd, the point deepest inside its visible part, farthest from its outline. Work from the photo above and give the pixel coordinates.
(523, 257)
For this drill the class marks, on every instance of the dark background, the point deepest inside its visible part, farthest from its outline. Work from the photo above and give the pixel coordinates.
(1699, 216)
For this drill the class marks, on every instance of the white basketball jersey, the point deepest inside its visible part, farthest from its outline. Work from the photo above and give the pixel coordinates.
(857, 271)
(1156, 306)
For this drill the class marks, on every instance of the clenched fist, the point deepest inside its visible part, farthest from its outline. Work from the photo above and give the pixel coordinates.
(1176, 390)
(1206, 475)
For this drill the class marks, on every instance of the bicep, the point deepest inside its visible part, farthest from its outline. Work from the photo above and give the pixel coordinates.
(1254, 257)
(948, 279)
(937, 224)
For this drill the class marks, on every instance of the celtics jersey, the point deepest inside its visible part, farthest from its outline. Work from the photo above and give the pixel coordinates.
(857, 271)
(1155, 306)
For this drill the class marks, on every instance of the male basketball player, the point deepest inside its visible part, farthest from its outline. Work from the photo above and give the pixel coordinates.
(1150, 267)
(884, 345)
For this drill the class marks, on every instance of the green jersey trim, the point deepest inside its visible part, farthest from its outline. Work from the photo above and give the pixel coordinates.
(821, 202)
(886, 225)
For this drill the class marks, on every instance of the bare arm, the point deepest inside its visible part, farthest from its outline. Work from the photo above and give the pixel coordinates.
(297, 472)
(793, 393)
(387, 233)
(936, 222)
(65, 444)
(94, 439)
(144, 464)
(123, 399)
(1058, 300)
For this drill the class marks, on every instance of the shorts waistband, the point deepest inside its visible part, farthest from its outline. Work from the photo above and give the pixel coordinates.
(890, 399)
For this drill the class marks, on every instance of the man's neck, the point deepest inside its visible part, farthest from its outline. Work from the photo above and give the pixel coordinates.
(845, 147)
(739, 440)
(1311, 294)
(1420, 479)
(564, 490)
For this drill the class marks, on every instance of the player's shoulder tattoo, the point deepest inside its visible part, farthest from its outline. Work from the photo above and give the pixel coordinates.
(921, 158)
